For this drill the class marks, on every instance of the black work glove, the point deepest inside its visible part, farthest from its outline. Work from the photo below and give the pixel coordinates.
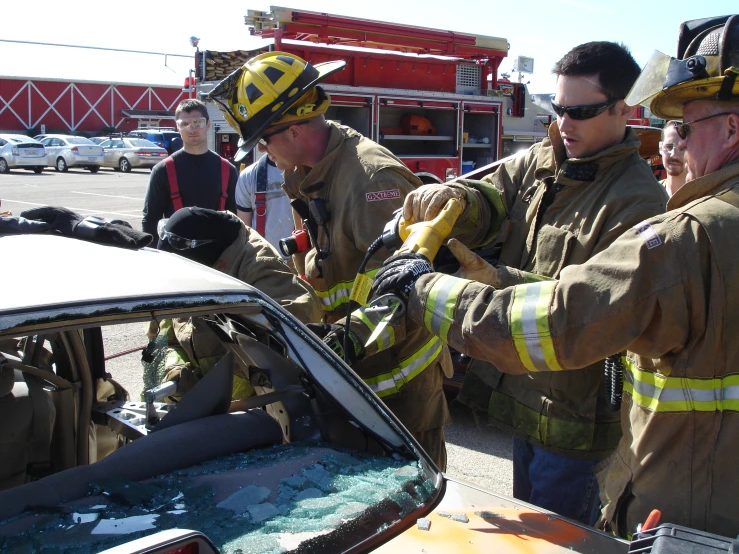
(320, 329)
(14, 225)
(333, 336)
(91, 228)
(399, 274)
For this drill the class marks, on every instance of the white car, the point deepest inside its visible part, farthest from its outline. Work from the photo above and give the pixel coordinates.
(64, 151)
(20, 151)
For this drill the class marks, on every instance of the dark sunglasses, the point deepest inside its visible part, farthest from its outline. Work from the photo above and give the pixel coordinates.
(683, 129)
(582, 112)
(264, 141)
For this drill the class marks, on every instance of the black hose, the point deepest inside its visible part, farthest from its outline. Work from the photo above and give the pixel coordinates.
(374, 247)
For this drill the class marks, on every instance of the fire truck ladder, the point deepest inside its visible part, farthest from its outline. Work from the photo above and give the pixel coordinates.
(287, 23)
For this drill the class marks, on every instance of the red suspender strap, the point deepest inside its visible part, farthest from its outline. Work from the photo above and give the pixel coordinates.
(260, 197)
(174, 189)
(225, 174)
(260, 209)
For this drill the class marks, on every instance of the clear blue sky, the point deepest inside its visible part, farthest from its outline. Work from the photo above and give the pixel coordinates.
(542, 29)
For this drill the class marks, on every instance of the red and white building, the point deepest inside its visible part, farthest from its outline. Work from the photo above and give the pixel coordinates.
(86, 107)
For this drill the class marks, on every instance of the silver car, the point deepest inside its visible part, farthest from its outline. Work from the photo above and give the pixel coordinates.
(126, 153)
(20, 151)
(65, 151)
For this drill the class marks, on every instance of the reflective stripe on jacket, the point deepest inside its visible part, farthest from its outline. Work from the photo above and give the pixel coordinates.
(362, 184)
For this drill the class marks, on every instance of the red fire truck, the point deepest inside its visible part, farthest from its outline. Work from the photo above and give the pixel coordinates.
(445, 81)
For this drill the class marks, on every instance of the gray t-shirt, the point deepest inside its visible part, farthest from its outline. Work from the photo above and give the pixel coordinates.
(279, 223)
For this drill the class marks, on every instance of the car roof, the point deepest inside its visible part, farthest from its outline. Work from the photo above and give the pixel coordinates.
(11, 136)
(51, 275)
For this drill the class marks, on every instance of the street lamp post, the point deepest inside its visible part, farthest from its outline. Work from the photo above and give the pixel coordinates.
(194, 41)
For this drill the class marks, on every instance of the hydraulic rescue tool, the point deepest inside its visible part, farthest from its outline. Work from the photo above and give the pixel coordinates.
(423, 237)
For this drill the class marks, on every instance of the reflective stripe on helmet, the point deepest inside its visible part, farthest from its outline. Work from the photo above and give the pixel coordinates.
(659, 393)
(530, 326)
(441, 304)
(394, 380)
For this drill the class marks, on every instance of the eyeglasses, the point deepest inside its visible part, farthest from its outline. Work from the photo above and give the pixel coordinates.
(582, 112)
(683, 129)
(668, 148)
(264, 141)
(197, 123)
(176, 241)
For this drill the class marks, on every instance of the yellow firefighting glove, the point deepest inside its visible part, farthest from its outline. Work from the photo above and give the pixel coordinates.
(425, 203)
(472, 266)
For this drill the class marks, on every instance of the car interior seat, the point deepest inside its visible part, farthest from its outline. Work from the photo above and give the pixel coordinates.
(27, 414)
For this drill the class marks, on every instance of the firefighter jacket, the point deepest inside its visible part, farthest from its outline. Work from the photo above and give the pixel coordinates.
(405, 367)
(666, 290)
(251, 259)
(362, 184)
(562, 212)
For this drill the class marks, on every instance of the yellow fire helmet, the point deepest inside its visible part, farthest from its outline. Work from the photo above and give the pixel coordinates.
(271, 89)
(706, 67)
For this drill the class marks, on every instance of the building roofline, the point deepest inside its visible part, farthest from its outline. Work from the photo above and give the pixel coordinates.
(85, 81)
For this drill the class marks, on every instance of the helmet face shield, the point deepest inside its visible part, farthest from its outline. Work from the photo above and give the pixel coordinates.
(706, 68)
(651, 80)
(222, 95)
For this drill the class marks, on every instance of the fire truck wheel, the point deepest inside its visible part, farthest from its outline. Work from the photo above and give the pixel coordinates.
(124, 165)
(61, 165)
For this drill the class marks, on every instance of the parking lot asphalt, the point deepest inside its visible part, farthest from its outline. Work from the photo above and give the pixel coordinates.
(107, 193)
(477, 453)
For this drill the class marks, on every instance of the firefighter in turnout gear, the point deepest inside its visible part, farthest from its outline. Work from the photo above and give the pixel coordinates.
(665, 291)
(343, 188)
(560, 203)
(222, 241)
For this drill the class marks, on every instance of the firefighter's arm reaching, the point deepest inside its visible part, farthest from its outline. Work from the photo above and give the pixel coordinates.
(629, 297)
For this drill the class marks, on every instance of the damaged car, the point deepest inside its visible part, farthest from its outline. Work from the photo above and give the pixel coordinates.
(313, 462)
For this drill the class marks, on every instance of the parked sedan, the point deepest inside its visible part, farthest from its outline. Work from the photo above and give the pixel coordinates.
(127, 153)
(65, 151)
(20, 151)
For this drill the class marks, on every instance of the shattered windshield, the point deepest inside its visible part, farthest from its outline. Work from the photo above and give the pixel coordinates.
(280, 499)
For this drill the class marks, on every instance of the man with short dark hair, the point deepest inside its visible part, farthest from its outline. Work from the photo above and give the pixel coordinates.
(557, 205)
(673, 159)
(191, 176)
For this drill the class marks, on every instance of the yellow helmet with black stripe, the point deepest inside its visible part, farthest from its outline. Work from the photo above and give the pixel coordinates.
(272, 89)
